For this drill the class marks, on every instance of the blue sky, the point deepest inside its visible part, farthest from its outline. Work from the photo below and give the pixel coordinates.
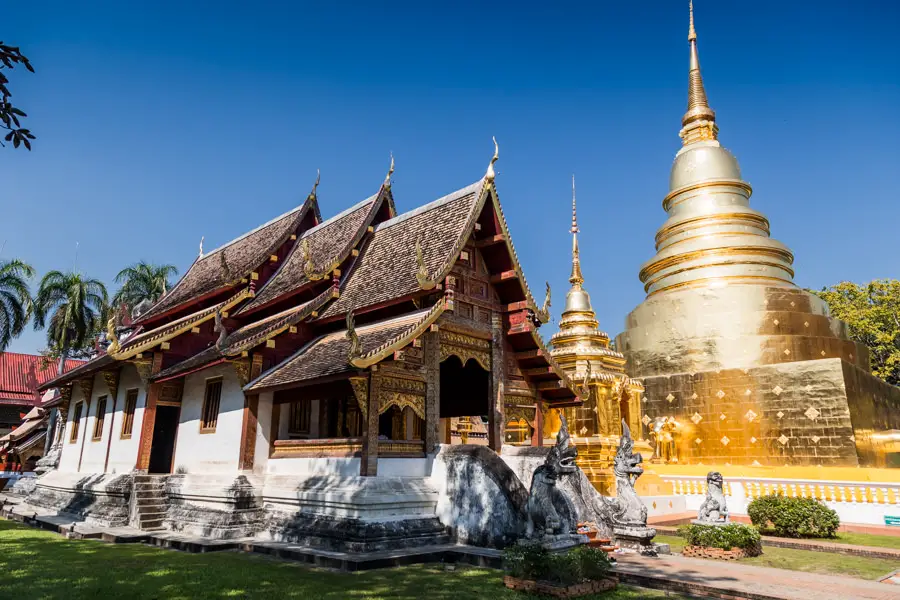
(161, 122)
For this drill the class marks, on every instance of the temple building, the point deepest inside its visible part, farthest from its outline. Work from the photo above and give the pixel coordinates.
(744, 365)
(609, 395)
(312, 368)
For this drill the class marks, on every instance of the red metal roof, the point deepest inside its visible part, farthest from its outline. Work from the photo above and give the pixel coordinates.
(21, 374)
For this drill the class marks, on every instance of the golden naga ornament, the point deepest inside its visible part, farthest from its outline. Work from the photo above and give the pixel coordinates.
(223, 264)
(219, 327)
(313, 192)
(543, 314)
(422, 278)
(309, 266)
(111, 337)
(355, 350)
(584, 389)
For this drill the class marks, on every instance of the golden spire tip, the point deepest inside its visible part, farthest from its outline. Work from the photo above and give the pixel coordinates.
(315, 187)
(692, 34)
(387, 179)
(490, 170)
(574, 214)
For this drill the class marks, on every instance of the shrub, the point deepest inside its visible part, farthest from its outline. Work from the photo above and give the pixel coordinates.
(532, 561)
(725, 537)
(794, 517)
(595, 563)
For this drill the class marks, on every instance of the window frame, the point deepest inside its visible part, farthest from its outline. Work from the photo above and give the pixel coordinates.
(308, 414)
(128, 416)
(76, 421)
(205, 427)
(99, 418)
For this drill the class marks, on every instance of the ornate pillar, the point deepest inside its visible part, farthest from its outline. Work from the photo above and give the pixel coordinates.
(368, 465)
(250, 416)
(537, 435)
(146, 369)
(432, 353)
(496, 422)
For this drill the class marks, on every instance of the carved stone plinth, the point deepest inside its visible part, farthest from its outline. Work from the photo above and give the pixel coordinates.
(558, 542)
(638, 538)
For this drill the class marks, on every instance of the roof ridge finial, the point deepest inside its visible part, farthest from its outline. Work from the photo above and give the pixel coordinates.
(387, 179)
(314, 192)
(577, 278)
(490, 170)
(699, 122)
(202, 237)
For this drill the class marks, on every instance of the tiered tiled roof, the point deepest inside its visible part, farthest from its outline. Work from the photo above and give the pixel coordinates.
(22, 374)
(228, 264)
(386, 267)
(329, 243)
(328, 354)
(250, 335)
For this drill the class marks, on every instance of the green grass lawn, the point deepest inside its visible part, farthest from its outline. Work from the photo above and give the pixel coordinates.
(39, 564)
(867, 539)
(809, 561)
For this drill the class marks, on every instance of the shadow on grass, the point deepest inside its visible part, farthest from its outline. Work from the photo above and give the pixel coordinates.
(39, 564)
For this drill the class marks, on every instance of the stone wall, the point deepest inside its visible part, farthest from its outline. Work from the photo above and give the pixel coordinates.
(99, 498)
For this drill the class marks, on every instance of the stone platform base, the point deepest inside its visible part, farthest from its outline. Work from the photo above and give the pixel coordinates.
(638, 539)
(99, 499)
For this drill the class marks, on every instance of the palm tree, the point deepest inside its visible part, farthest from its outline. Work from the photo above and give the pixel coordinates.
(142, 281)
(15, 299)
(72, 308)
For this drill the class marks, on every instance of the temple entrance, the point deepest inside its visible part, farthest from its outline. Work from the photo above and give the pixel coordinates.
(165, 429)
(465, 402)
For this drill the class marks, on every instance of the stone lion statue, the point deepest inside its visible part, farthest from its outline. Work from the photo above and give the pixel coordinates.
(713, 509)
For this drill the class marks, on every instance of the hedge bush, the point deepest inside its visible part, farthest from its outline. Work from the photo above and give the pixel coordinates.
(793, 517)
(534, 562)
(725, 537)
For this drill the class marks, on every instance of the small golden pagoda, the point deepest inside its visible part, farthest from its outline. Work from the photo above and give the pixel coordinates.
(609, 396)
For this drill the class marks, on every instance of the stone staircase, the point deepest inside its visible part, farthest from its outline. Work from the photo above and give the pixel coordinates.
(149, 502)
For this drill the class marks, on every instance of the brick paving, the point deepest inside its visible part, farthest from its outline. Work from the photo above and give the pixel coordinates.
(722, 579)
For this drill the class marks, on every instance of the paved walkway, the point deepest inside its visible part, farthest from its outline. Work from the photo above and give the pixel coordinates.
(703, 576)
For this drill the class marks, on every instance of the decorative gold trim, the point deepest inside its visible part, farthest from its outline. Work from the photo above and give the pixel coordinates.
(355, 349)
(403, 339)
(241, 368)
(543, 314)
(421, 270)
(111, 336)
(401, 392)
(144, 367)
(169, 332)
(360, 387)
(465, 348)
(707, 183)
(87, 387)
(112, 382)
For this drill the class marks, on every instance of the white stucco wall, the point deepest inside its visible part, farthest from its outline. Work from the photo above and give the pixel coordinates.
(68, 460)
(216, 452)
(263, 432)
(405, 467)
(123, 452)
(95, 450)
(339, 467)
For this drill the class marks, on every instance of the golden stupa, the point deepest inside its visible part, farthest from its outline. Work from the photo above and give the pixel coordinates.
(609, 395)
(742, 366)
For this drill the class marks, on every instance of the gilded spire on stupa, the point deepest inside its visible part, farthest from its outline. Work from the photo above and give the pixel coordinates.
(579, 339)
(699, 122)
(712, 236)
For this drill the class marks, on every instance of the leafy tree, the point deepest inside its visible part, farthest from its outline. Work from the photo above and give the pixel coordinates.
(15, 299)
(142, 281)
(872, 311)
(10, 56)
(72, 309)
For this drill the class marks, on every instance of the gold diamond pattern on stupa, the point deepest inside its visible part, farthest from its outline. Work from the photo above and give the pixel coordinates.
(812, 413)
(752, 440)
(783, 439)
(694, 396)
(670, 397)
(722, 417)
(747, 392)
(779, 414)
(777, 390)
(787, 352)
(646, 419)
(720, 394)
(750, 415)
(724, 440)
(815, 439)
(698, 441)
(696, 418)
